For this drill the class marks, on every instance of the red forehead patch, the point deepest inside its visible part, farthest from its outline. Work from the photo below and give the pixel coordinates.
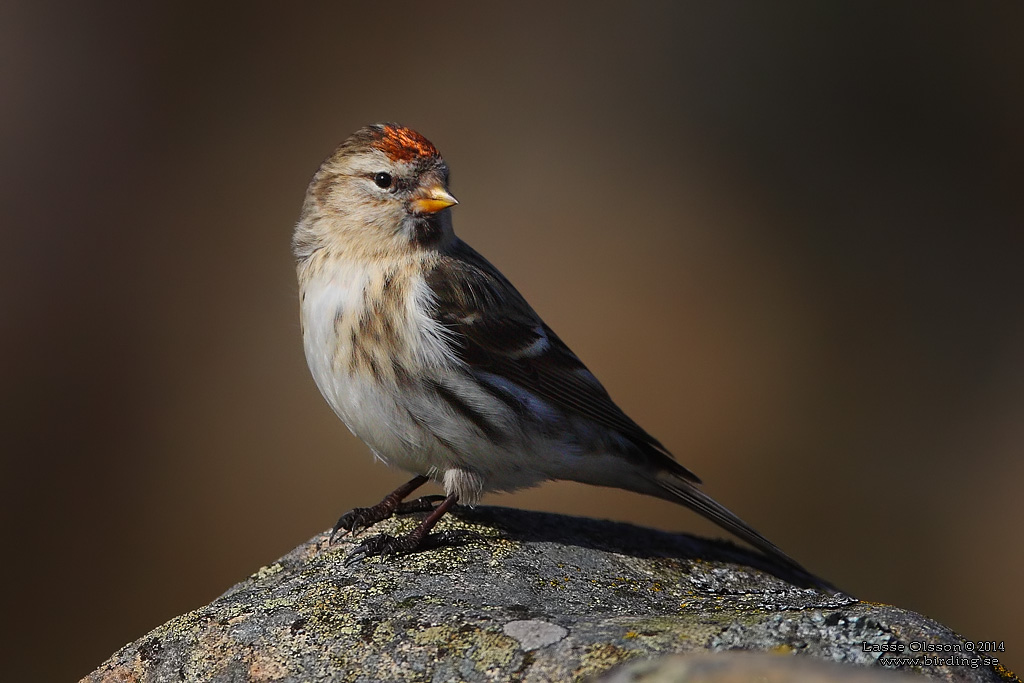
(403, 144)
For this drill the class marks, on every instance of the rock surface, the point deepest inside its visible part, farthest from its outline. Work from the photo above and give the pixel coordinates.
(516, 595)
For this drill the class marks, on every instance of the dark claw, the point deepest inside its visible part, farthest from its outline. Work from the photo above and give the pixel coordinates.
(353, 521)
(383, 544)
(387, 545)
(358, 519)
(361, 518)
(449, 538)
(391, 545)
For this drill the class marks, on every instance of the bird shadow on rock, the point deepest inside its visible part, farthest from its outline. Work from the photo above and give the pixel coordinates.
(610, 536)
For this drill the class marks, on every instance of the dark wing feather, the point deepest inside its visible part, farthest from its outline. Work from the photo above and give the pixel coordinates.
(495, 330)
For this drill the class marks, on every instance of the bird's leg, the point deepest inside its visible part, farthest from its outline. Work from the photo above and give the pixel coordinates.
(396, 545)
(361, 518)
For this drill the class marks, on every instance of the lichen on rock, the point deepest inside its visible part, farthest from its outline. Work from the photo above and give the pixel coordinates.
(513, 595)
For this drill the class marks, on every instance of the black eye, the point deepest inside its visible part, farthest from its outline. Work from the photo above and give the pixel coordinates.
(383, 180)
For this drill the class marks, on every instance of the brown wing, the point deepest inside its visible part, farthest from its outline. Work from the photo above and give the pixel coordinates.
(495, 331)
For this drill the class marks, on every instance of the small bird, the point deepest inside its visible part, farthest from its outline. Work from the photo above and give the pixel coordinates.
(432, 358)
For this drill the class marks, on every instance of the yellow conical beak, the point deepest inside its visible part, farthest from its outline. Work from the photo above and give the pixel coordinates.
(432, 200)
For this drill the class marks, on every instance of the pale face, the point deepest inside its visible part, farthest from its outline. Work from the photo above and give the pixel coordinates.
(363, 200)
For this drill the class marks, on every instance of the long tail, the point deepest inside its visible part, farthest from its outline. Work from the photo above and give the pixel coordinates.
(678, 490)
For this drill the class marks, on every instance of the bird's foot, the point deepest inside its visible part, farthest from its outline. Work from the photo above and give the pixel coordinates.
(416, 539)
(358, 519)
(385, 545)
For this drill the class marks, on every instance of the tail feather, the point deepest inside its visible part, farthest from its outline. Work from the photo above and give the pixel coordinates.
(683, 492)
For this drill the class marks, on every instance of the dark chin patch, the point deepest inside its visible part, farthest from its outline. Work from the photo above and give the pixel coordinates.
(426, 231)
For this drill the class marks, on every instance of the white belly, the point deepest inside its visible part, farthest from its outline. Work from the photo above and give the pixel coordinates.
(396, 412)
(357, 377)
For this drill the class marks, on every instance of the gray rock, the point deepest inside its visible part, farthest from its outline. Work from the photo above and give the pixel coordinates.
(533, 634)
(515, 595)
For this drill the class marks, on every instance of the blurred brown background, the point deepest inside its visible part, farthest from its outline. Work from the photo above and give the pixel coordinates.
(786, 236)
